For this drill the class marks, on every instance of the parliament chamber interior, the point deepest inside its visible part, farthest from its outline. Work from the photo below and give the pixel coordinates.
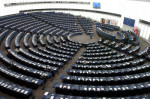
(74, 49)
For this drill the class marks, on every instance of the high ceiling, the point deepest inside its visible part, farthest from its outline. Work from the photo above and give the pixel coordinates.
(142, 0)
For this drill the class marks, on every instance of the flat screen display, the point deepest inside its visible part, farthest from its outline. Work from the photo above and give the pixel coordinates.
(96, 5)
(129, 22)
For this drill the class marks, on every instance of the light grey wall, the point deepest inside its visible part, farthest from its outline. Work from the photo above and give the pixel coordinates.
(149, 39)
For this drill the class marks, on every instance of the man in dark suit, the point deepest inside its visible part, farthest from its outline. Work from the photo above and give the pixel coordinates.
(91, 35)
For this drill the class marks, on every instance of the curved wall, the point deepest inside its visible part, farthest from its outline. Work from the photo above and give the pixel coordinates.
(134, 9)
(105, 6)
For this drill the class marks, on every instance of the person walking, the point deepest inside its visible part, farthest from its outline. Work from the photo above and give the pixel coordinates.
(91, 35)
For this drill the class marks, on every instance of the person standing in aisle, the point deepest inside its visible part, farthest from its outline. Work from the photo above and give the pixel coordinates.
(91, 35)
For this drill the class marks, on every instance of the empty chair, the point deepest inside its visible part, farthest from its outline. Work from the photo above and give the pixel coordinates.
(148, 57)
(101, 91)
(56, 40)
(134, 50)
(37, 46)
(47, 95)
(126, 48)
(25, 40)
(14, 89)
(144, 52)
(49, 40)
(29, 81)
(34, 40)
(9, 39)
(62, 39)
(121, 36)
(18, 38)
(41, 40)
